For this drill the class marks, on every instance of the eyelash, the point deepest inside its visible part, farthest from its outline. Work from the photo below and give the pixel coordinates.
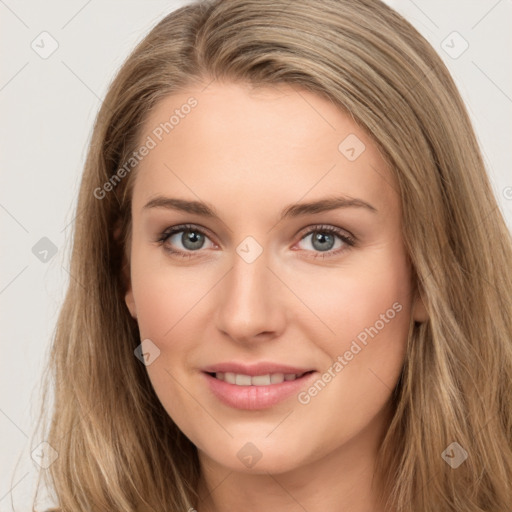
(349, 241)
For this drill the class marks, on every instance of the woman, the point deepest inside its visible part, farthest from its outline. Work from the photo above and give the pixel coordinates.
(212, 353)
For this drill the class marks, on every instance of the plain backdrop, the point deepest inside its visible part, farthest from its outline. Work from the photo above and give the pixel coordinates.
(48, 105)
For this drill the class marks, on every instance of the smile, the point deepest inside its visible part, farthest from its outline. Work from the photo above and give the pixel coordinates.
(253, 392)
(239, 379)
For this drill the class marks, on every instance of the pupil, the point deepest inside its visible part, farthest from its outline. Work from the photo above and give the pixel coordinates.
(192, 240)
(322, 237)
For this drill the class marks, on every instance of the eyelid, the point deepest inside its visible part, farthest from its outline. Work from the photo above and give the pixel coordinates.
(327, 228)
(172, 230)
(348, 240)
(178, 228)
(346, 237)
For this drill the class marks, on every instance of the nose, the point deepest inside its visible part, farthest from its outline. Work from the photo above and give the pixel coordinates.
(251, 302)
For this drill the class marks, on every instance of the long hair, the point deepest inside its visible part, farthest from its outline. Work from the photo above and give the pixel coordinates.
(117, 447)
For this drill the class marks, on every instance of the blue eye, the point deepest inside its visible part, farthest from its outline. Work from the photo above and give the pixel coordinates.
(193, 239)
(324, 239)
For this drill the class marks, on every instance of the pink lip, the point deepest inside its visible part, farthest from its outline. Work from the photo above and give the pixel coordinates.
(261, 368)
(256, 397)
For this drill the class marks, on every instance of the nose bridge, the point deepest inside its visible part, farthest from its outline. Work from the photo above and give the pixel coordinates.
(250, 303)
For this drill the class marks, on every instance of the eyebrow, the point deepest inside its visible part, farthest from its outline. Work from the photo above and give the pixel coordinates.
(293, 210)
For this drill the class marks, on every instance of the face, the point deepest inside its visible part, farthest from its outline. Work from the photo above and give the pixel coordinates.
(254, 283)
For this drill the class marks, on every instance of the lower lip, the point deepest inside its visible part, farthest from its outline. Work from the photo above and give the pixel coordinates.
(256, 397)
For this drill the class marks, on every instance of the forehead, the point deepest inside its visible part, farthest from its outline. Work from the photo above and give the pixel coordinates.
(283, 141)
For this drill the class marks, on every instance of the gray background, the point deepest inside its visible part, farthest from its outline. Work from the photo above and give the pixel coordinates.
(48, 107)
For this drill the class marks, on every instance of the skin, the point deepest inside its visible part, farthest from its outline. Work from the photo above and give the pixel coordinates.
(250, 153)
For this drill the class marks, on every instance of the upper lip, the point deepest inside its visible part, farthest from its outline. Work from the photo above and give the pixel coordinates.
(261, 368)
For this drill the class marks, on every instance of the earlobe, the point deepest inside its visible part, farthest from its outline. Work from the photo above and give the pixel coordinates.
(128, 297)
(419, 312)
(125, 273)
(130, 303)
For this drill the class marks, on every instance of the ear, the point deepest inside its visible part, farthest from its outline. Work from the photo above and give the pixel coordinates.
(125, 275)
(419, 311)
(129, 300)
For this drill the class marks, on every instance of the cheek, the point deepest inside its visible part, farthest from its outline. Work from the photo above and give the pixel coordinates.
(165, 301)
(164, 296)
(374, 290)
(367, 312)
(371, 308)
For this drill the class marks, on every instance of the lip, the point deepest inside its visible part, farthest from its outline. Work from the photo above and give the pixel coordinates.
(261, 368)
(257, 397)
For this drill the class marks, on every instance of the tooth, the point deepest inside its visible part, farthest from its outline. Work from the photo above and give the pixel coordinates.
(230, 377)
(242, 380)
(257, 380)
(261, 380)
(276, 378)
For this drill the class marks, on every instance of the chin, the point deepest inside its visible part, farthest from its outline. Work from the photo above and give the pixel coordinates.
(258, 457)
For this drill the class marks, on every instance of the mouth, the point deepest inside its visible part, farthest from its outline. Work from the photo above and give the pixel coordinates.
(256, 392)
(268, 379)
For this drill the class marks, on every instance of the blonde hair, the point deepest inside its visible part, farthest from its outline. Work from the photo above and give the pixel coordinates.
(118, 448)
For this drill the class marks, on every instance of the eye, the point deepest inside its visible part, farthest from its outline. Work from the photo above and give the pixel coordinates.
(191, 238)
(323, 240)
